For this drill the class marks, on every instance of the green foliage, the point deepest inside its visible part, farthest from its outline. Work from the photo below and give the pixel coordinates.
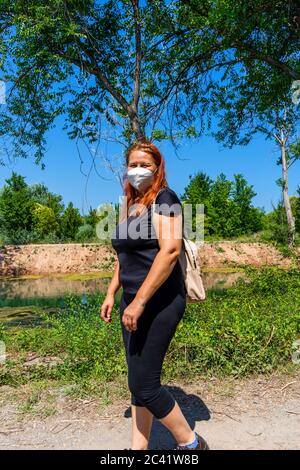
(245, 329)
(2, 332)
(248, 328)
(254, 53)
(16, 207)
(28, 214)
(293, 151)
(20, 237)
(228, 210)
(44, 219)
(250, 218)
(275, 223)
(221, 208)
(32, 214)
(76, 333)
(70, 222)
(91, 218)
(85, 233)
(41, 195)
(231, 58)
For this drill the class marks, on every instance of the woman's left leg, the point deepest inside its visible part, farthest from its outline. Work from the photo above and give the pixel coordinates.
(141, 417)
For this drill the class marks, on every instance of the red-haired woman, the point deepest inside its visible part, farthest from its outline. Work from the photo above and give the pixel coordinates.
(153, 297)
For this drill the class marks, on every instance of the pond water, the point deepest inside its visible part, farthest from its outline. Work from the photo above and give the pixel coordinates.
(21, 300)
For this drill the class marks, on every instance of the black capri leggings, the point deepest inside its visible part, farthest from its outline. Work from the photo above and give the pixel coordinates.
(146, 348)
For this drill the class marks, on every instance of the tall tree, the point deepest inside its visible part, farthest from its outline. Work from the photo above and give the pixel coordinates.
(297, 210)
(197, 191)
(250, 78)
(148, 69)
(228, 209)
(82, 58)
(249, 218)
(41, 195)
(70, 221)
(16, 206)
(289, 153)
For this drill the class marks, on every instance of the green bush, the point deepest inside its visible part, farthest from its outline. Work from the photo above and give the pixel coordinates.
(248, 328)
(85, 233)
(244, 329)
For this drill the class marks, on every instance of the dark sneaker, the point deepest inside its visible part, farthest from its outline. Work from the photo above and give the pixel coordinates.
(202, 444)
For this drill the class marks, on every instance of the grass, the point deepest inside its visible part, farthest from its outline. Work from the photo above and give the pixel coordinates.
(246, 329)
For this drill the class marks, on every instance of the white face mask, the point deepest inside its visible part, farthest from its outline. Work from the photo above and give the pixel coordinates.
(140, 177)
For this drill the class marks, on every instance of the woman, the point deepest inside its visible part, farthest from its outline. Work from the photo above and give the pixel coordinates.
(153, 300)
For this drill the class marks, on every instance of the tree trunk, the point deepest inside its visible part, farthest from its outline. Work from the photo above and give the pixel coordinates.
(135, 123)
(286, 199)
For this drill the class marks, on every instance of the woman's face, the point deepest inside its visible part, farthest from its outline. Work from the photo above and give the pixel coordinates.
(142, 159)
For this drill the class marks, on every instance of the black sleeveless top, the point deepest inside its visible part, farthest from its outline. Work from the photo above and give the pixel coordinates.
(136, 245)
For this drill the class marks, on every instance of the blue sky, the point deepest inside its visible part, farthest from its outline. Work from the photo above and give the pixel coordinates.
(77, 182)
(66, 175)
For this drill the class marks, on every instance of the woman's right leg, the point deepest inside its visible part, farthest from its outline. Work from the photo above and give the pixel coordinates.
(142, 418)
(145, 354)
(146, 349)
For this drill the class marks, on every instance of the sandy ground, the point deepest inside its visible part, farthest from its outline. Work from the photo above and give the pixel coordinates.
(18, 260)
(257, 413)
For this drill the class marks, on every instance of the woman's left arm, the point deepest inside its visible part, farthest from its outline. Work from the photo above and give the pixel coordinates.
(169, 235)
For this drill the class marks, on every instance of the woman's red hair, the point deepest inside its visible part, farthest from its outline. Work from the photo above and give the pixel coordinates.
(159, 180)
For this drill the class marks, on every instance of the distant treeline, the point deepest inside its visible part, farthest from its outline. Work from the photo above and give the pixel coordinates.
(32, 214)
(229, 212)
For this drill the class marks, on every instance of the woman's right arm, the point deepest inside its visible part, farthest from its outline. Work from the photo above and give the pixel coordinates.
(109, 300)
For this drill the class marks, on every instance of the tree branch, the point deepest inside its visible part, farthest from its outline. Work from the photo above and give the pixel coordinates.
(138, 58)
(94, 70)
(268, 59)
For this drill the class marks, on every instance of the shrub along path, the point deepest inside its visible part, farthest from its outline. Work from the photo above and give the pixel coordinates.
(230, 364)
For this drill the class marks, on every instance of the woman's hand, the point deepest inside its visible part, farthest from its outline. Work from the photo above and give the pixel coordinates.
(132, 313)
(107, 307)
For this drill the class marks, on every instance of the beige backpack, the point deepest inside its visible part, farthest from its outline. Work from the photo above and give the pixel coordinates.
(188, 260)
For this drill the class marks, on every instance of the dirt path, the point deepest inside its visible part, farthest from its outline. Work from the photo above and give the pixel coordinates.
(257, 413)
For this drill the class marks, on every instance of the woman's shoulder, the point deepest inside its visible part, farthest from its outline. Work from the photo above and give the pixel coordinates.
(167, 197)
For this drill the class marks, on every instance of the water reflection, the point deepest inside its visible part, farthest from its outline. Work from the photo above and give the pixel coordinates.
(22, 300)
(46, 287)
